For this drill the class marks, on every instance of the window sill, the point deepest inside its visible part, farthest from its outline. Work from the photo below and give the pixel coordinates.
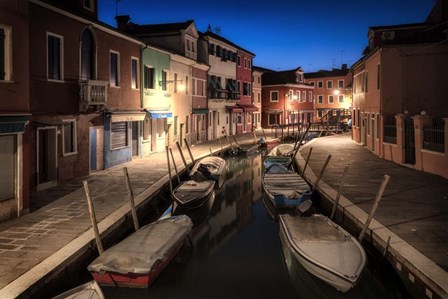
(69, 154)
(55, 81)
(7, 81)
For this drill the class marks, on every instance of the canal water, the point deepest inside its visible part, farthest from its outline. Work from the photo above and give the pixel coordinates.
(236, 253)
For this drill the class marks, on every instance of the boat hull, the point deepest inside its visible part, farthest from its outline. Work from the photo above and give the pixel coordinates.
(192, 194)
(340, 281)
(213, 168)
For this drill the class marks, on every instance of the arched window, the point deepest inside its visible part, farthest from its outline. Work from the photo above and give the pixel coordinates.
(88, 55)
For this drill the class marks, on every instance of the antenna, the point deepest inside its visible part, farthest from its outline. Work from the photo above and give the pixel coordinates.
(342, 52)
(116, 7)
(333, 62)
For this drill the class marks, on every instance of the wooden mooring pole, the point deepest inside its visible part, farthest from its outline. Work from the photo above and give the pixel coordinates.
(169, 169)
(182, 156)
(316, 183)
(99, 243)
(307, 160)
(131, 199)
(341, 185)
(374, 207)
(175, 166)
(189, 151)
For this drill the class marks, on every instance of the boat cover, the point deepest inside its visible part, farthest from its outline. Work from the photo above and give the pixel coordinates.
(289, 184)
(90, 290)
(143, 250)
(193, 186)
(283, 149)
(320, 240)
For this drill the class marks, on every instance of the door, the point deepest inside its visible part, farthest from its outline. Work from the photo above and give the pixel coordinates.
(96, 148)
(215, 125)
(373, 132)
(135, 138)
(46, 157)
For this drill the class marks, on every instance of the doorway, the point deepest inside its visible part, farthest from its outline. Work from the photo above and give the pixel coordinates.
(47, 159)
(135, 138)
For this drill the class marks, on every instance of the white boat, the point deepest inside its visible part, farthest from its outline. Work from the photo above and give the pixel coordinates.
(90, 290)
(209, 168)
(281, 154)
(285, 188)
(324, 249)
(193, 194)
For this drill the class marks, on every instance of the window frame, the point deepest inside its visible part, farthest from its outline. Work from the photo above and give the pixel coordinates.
(145, 77)
(74, 137)
(134, 73)
(61, 57)
(320, 99)
(7, 54)
(320, 84)
(339, 83)
(329, 84)
(332, 99)
(341, 96)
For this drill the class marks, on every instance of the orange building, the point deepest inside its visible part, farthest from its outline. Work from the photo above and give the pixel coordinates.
(332, 93)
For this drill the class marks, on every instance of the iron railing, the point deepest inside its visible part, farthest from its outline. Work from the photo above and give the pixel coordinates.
(434, 137)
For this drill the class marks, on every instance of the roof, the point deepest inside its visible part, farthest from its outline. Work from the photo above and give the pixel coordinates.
(281, 77)
(326, 73)
(399, 27)
(224, 40)
(261, 69)
(158, 29)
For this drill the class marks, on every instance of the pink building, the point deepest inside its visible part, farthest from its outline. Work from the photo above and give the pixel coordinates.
(244, 86)
(399, 93)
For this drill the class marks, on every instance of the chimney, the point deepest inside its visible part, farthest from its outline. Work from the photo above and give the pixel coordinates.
(344, 67)
(122, 22)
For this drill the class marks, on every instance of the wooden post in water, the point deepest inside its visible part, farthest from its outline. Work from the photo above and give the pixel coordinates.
(175, 166)
(210, 149)
(264, 135)
(236, 142)
(341, 185)
(131, 199)
(255, 134)
(182, 156)
(293, 158)
(189, 151)
(169, 169)
(307, 159)
(321, 174)
(374, 207)
(99, 243)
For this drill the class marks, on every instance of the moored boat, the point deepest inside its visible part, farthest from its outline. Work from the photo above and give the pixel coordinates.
(193, 194)
(285, 188)
(209, 168)
(140, 258)
(324, 249)
(89, 290)
(281, 154)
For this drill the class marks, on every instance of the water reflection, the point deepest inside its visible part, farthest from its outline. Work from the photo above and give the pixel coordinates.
(237, 252)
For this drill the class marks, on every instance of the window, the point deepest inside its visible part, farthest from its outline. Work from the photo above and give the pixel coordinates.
(175, 126)
(341, 98)
(186, 85)
(164, 78)
(299, 98)
(320, 99)
(114, 78)
(175, 83)
(290, 93)
(246, 90)
(134, 73)
(148, 77)
(320, 84)
(239, 60)
(273, 119)
(329, 84)
(312, 83)
(330, 99)
(193, 86)
(245, 63)
(69, 137)
(119, 135)
(304, 96)
(274, 96)
(320, 113)
(187, 127)
(88, 56)
(364, 81)
(249, 63)
(258, 97)
(54, 57)
(200, 87)
(5, 53)
(340, 83)
(88, 4)
(8, 162)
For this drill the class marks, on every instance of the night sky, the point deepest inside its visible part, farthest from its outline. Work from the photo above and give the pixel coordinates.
(284, 34)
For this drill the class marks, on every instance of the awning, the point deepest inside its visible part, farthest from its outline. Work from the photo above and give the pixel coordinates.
(12, 124)
(119, 116)
(200, 111)
(234, 108)
(248, 107)
(160, 113)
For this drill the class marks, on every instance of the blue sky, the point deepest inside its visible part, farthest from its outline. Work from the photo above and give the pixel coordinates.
(284, 34)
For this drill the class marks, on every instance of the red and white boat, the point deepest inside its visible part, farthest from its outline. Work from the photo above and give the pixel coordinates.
(140, 258)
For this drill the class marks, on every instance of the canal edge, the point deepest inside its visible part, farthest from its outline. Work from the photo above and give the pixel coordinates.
(403, 256)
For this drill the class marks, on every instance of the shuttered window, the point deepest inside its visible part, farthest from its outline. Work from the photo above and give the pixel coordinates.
(2, 54)
(119, 135)
(134, 73)
(54, 57)
(114, 69)
(149, 78)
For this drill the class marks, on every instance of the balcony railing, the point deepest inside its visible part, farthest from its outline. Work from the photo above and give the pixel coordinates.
(92, 93)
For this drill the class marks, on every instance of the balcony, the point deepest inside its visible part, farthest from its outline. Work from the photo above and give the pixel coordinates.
(92, 93)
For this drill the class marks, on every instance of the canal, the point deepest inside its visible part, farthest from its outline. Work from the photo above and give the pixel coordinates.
(237, 253)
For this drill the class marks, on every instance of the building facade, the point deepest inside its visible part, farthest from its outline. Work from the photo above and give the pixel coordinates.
(15, 132)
